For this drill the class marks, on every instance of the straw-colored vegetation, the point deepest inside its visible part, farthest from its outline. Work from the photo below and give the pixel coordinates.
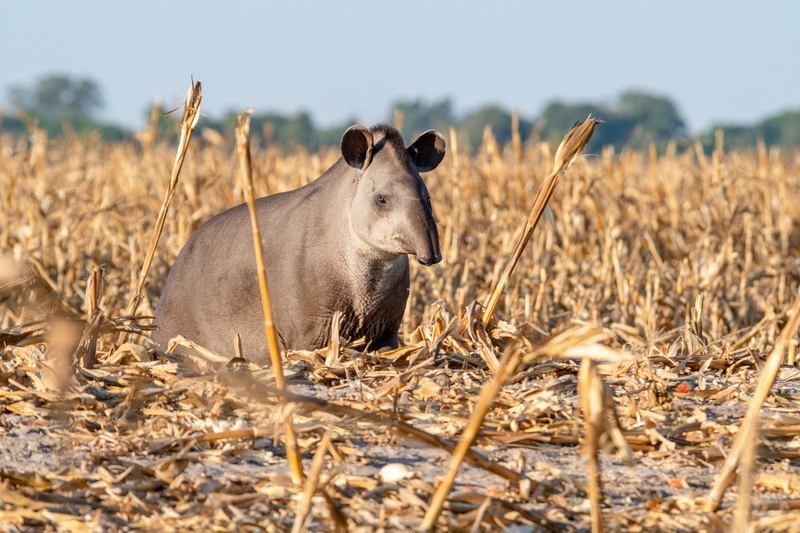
(675, 274)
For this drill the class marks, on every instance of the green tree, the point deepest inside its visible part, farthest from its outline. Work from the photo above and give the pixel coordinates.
(11, 124)
(58, 97)
(782, 130)
(498, 119)
(333, 136)
(297, 130)
(420, 116)
(287, 130)
(655, 119)
(636, 120)
(558, 117)
(56, 100)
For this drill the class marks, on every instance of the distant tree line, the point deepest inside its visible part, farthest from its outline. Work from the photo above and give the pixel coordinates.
(58, 103)
(64, 104)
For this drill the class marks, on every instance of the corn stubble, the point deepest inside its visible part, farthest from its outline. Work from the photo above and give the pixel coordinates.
(639, 321)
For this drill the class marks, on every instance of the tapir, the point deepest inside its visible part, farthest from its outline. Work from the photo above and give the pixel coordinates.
(340, 243)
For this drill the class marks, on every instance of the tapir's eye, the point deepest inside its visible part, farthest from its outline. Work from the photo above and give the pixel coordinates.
(380, 199)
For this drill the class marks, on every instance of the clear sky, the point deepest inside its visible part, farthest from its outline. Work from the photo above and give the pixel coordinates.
(718, 60)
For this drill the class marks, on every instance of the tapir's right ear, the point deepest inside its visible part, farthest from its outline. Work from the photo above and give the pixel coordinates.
(357, 147)
(428, 150)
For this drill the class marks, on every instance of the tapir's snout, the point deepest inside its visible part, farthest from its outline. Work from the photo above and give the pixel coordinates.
(429, 253)
(420, 234)
(429, 260)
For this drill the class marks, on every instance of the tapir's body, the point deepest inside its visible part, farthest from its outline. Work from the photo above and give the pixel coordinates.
(339, 243)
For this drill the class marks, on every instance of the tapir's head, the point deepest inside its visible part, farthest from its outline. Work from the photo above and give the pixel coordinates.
(391, 211)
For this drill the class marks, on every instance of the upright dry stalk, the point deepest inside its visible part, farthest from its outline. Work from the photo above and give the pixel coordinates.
(399, 118)
(744, 504)
(310, 487)
(746, 437)
(516, 138)
(593, 402)
(191, 114)
(246, 167)
(573, 144)
(94, 317)
(148, 136)
(508, 365)
(578, 342)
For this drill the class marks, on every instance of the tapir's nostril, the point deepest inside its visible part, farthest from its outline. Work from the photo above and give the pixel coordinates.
(431, 260)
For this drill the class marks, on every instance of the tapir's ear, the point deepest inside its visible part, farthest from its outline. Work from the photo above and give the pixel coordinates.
(357, 147)
(427, 151)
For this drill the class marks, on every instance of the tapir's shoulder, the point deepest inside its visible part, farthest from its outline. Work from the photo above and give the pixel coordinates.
(314, 196)
(285, 218)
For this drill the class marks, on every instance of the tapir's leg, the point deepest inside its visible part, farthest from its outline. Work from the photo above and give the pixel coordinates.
(388, 340)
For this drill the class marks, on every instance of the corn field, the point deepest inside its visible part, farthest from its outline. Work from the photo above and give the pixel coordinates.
(681, 267)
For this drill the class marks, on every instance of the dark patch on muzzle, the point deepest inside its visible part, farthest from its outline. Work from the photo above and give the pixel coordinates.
(429, 260)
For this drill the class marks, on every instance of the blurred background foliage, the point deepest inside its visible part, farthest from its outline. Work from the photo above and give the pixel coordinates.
(65, 105)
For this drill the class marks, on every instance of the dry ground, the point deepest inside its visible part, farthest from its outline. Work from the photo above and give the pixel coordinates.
(687, 263)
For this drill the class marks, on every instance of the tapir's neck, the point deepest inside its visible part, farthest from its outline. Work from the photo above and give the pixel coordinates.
(365, 269)
(365, 260)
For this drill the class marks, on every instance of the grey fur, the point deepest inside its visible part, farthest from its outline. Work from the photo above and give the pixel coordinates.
(329, 246)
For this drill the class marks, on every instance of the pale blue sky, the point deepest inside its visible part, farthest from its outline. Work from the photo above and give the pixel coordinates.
(718, 60)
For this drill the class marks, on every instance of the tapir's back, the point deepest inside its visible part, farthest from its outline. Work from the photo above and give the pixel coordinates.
(212, 289)
(199, 294)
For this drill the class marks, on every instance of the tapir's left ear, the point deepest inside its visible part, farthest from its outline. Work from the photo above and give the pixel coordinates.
(427, 151)
(357, 147)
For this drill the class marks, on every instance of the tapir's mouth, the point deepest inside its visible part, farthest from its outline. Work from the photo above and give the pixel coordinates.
(429, 260)
(424, 246)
